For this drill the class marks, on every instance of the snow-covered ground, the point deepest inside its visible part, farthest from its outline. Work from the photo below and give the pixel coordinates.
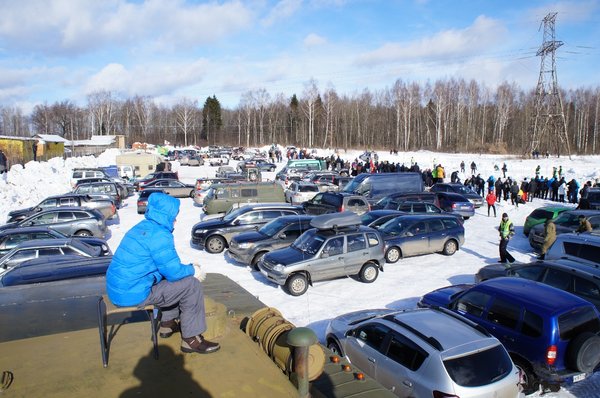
(400, 286)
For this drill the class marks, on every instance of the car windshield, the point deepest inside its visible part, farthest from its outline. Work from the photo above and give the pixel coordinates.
(232, 214)
(272, 227)
(567, 219)
(392, 227)
(480, 368)
(463, 189)
(309, 243)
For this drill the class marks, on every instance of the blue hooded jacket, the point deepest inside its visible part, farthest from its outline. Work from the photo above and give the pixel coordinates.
(146, 254)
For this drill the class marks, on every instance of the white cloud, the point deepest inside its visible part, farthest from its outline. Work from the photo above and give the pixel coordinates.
(568, 11)
(282, 10)
(314, 40)
(151, 80)
(67, 27)
(483, 33)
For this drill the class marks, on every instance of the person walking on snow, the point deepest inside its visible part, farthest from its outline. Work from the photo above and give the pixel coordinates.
(507, 231)
(549, 238)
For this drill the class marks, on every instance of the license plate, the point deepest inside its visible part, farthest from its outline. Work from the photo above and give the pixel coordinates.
(578, 377)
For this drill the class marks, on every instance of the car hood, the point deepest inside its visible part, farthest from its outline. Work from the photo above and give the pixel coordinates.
(21, 212)
(442, 297)
(9, 226)
(210, 224)
(249, 237)
(287, 256)
(492, 271)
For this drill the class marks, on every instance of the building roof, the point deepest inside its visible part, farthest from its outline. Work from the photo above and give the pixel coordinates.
(51, 138)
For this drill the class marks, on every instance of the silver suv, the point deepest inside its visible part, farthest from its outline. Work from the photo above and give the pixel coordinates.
(573, 248)
(424, 353)
(71, 221)
(338, 245)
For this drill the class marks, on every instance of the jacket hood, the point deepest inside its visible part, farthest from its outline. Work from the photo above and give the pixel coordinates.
(162, 209)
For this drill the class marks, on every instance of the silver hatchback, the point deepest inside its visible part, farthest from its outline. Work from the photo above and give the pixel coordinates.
(71, 221)
(424, 353)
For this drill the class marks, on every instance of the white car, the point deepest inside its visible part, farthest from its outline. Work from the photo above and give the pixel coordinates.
(218, 160)
(300, 191)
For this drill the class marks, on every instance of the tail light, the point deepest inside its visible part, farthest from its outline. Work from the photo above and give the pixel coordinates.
(113, 208)
(140, 203)
(439, 394)
(454, 205)
(551, 355)
(341, 208)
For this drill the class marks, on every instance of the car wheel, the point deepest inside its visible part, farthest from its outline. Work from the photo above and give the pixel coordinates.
(583, 352)
(334, 347)
(296, 285)
(257, 259)
(450, 247)
(83, 232)
(369, 273)
(192, 194)
(392, 255)
(215, 244)
(528, 381)
(272, 169)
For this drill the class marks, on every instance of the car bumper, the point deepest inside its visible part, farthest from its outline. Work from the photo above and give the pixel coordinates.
(276, 278)
(198, 241)
(563, 377)
(244, 258)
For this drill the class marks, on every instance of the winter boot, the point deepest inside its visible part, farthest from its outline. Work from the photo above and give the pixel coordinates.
(198, 344)
(167, 328)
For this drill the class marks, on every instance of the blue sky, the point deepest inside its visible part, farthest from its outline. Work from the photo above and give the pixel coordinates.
(53, 50)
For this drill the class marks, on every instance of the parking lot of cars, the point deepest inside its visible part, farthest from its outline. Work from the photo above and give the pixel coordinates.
(399, 286)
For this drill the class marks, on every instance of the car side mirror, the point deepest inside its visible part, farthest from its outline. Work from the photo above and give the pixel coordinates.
(324, 254)
(38, 209)
(236, 222)
(282, 235)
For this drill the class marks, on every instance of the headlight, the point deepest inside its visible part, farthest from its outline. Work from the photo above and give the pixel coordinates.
(200, 232)
(278, 268)
(246, 245)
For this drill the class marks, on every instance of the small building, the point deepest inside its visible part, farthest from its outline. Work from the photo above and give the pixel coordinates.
(96, 144)
(20, 150)
(143, 163)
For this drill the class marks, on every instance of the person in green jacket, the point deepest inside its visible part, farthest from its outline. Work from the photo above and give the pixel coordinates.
(507, 231)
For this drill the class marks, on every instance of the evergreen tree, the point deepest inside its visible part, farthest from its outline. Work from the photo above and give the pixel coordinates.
(212, 121)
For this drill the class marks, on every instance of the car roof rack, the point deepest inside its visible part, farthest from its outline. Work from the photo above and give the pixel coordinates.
(432, 341)
(336, 221)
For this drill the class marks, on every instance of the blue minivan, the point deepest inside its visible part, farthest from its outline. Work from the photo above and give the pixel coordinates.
(552, 336)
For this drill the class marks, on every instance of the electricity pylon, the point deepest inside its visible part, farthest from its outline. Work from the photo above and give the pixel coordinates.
(548, 123)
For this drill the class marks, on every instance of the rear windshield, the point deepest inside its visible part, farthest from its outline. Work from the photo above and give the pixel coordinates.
(577, 321)
(583, 250)
(308, 188)
(479, 369)
(541, 213)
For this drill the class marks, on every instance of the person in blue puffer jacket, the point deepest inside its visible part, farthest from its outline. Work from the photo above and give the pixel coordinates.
(147, 270)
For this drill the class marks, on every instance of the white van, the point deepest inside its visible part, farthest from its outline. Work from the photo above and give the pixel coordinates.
(127, 172)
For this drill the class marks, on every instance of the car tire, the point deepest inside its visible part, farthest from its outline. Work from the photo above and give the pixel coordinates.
(215, 244)
(272, 169)
(583, 352)
(369, 272)
(83, 232)
(466, 218)
(450, 247)
(256, 259)
(529, 380)
(297, 285)
(392, 255)
(334, 347)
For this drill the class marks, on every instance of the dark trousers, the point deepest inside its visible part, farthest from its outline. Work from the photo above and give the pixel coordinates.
(493, 207)
(504, 254)
(183, 299)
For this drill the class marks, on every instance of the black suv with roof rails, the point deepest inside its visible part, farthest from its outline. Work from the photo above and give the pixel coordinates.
(215, 234)
(337, 245)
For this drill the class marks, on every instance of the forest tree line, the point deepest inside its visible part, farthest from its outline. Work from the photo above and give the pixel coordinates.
(451, 115)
